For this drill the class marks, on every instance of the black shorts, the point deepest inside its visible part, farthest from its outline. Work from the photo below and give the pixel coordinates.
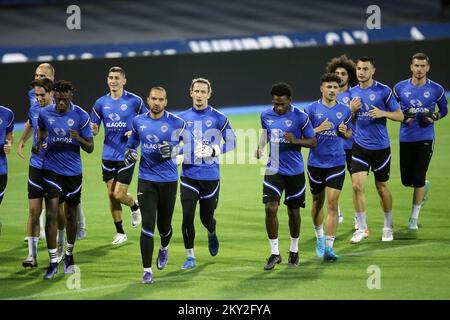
(156, 199)
(348, 159)
(35, 183)
(199, 189)
(66, 188)
(377, 160)
(414, 160)
(118, 171)
(294, 186)
(3, 182)
(319, 178)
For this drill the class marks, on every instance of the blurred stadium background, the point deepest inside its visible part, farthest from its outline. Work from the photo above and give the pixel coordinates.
(243, 47)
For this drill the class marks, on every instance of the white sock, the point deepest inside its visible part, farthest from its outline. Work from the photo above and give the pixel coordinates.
(190, 253)
(294, 245)
(164, 248)
(339, 211)
(415, 211)
(274, 246)
(80, 216)
(69, 249)
(61, 236)
(41, 220)
(388, 219)
(148, 270)
(362, 224)
(319, 231)
(329, 241)
(52, 254)
(32, 246)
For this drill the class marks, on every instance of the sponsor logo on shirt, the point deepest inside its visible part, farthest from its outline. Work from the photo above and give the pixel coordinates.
(407, 94)
(114, 116)
(152, 138)
(1, 121)
(51, 120)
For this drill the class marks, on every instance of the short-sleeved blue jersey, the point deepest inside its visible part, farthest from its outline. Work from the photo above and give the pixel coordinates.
(372, 133)
(117, 116)
(285, 158)
(63, 152)
(6, 126)
(329, 151)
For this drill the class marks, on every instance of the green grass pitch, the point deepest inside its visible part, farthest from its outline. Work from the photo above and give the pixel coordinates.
(414, 266)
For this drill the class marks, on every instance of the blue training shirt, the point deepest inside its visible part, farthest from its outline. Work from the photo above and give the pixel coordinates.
(344, 98)
(63, 152)
(417, 100)
(372, 133)
(36, 160)
(207, 127)
(150, 133)
(117, 116)
(285, 158)
(329, 151)
(6, 126)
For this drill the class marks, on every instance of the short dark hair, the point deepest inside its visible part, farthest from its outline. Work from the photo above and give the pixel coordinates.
(45, 83)
(63, 86)
(420, 56)
(346, 63)
(329, 77)
(281, 89)
(117, 69)
(367, 59)
(158, 89)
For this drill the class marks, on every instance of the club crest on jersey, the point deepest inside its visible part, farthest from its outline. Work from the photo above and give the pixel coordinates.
(288, 123)
(426, 94)
(123, 107)
(372, 97)
(70, 122)
(60, 132)
(346, 100)
(152, 138)
(164, 128)
(114, 117)
(208, 123)
(338, 115)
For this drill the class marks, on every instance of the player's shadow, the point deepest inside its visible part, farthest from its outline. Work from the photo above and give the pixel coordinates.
(405, 234)
(157, 289)
(98, 252)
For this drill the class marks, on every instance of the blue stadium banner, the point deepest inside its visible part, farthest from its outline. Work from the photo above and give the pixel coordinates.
(226, 44)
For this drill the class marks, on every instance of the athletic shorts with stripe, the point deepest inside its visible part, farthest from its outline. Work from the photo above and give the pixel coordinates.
(199, 189)
(294, 187)
(35, 183)
(377, 160)
(414, 160)
(67, 188)
(118, 171)
(3, 182)
(319, 178)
